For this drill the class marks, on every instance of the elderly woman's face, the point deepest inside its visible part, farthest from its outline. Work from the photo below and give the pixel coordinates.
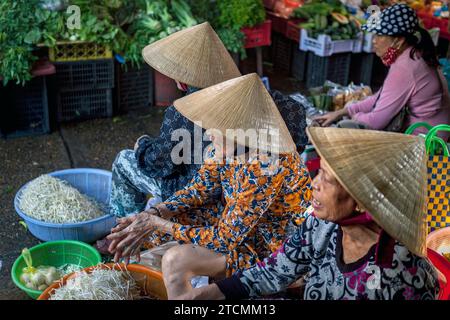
(330, 200)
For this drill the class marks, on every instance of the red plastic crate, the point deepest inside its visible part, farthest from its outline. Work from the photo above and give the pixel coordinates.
(258, 36)
(293, 30)
(279, 24)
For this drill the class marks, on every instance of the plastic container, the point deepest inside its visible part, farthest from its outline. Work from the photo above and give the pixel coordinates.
(258, 36)
(335, 68)
(293, 30)
(134, 88)
(56, 254)
(94, 183)
(282, 53)
(323, 46)
(299, 63)
(149, 280)
(79, 50)
(89, 74)
(25, 109)
(84, 104)
(362, 68)
(279, 23)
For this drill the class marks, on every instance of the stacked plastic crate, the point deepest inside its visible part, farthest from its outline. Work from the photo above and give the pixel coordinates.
(24, 109)
(328, 59)
(134, 87)
(84, 81)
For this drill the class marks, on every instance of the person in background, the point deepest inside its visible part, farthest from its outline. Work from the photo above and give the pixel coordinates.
(343, 251)
(238, 206)
(414, 81)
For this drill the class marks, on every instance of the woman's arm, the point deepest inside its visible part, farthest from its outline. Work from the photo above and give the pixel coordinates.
(397, 90)
(275, 273)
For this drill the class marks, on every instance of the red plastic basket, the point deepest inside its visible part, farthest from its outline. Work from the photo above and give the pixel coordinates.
(293, 30)
(279, 24)
(258, 36)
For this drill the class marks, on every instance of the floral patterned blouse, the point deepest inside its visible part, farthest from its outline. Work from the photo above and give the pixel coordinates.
(259, 200)
(388, 271)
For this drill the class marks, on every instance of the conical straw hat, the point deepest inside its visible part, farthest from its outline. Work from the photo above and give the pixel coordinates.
(194, 56)
(386, 173)
(240, 103)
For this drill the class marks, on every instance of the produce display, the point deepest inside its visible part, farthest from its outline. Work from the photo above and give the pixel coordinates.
(332, 97)
(100, 284)
(53, 200)
(328, 17)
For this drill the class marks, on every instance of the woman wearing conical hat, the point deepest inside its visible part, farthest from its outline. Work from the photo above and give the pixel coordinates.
(195, 58)
(345, 252)
(257, 173)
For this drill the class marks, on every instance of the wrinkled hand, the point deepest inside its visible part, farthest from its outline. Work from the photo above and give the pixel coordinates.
(329, 118)
(136, 145)
(128, 236)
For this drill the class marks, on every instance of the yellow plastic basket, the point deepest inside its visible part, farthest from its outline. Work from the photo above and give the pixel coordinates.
(78, 51)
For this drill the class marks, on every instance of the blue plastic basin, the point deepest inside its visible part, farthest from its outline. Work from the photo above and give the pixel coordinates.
(94, 183)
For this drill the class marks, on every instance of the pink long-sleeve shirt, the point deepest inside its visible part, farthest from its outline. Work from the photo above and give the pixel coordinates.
(409, 82)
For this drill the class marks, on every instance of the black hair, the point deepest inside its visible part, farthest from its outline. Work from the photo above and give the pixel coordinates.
(423, 47)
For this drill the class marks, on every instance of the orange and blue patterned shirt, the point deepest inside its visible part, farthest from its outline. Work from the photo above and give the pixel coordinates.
(259, 198)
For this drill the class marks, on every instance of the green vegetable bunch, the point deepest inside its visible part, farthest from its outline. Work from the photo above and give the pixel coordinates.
(228, 17)
(155, 19)
(23, 24)
(327, 17)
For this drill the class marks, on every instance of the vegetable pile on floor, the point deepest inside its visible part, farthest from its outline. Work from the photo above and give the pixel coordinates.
(53, 200)
(100, 284)
(328, 17)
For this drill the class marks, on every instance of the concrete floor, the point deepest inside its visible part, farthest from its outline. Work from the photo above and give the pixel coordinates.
(91, 144)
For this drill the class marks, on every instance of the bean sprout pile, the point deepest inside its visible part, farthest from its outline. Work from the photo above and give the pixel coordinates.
(53, 200)
(100, 284)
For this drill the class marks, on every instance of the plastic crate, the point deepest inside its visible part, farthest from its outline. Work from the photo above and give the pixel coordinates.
(293, 30)
(279, 24)
(25, 110)
(258, 36)
(299, 62)
(77, 51)
(89, 74)
(335, 68)
(282, 53)
(362, 68)
(84, 104)
(323, 46)
(134, 87)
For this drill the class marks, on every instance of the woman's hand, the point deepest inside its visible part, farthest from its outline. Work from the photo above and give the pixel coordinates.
(128, 236)
(329, 118)
(136, 145)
